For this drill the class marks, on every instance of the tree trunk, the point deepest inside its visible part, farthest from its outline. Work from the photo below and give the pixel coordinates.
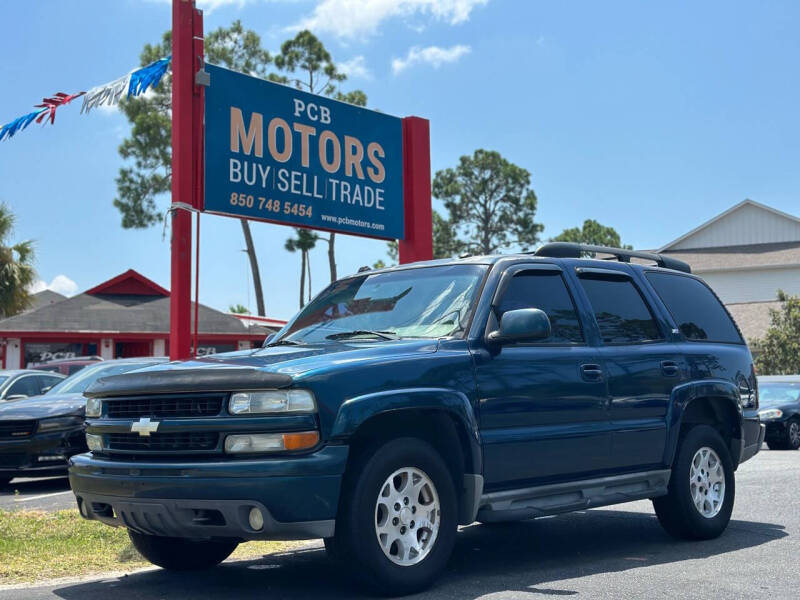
(308, 266)
(251, 254)
(332, 255)
(302, 276)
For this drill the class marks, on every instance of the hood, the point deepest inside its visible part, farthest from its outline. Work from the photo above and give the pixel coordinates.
(40, 407)
(272, 367)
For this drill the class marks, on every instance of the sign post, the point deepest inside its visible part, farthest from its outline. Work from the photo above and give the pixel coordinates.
(186, 21)
(418, 242)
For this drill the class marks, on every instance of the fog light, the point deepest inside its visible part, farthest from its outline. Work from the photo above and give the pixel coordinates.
(95, 442)
(256, 519)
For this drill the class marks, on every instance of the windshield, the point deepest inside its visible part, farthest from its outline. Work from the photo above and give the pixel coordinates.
(430, 302)
(77, 383)
(775, 394)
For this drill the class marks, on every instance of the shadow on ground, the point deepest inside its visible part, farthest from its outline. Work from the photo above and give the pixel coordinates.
(528, 556)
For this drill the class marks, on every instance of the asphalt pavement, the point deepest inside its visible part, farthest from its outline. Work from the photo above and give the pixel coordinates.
(47, 493)
(618, 552)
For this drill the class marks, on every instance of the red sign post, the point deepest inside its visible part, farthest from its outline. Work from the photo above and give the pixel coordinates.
(188, 176)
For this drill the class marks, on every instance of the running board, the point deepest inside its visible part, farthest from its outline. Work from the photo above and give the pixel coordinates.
(528, 503)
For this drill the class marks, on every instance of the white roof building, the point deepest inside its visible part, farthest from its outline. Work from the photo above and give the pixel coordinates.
(746, 254)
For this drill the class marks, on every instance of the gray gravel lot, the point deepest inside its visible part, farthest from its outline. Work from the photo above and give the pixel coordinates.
(618, 552)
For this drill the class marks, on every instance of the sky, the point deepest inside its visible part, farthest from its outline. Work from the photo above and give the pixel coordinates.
(649, 117)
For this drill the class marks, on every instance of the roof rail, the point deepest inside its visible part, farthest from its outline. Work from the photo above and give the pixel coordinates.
(574, 250)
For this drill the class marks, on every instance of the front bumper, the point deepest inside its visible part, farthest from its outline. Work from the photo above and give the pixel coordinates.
(297, 496)
(41, 454)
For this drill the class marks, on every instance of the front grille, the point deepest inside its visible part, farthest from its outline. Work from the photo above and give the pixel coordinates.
(164, 406)
(11, 430)
(184, 441)
(12, 459)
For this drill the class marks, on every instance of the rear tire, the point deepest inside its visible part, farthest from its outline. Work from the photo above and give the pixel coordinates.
(179, 554)
(702, 487)
(397, 551)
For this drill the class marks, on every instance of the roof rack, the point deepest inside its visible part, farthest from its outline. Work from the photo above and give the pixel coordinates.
(574, 250)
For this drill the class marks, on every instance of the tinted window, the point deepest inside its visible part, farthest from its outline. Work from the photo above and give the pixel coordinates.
(546, 291)
(620, 311)
(696, 310)
(24, 386)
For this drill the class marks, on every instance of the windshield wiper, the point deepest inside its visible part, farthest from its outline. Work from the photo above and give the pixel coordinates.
(342, 335)
(285, 343)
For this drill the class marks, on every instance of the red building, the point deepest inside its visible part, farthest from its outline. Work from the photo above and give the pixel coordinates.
(123, 317)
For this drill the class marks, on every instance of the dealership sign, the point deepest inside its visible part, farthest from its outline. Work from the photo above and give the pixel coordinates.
(279, 154)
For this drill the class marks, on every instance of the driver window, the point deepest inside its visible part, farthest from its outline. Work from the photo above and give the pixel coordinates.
(546, 291)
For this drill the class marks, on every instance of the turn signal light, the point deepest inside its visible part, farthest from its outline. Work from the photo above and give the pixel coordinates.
(270, 442)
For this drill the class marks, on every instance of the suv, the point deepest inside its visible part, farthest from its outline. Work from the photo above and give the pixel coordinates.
(403, 402)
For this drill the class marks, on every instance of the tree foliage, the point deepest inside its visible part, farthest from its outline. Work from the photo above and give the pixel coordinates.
(592, 233)
(16, 268)
(490, 202)
(238, 309)
(778, 352)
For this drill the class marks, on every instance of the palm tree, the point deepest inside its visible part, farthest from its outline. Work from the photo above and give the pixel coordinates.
(16, 268)
(303, 243)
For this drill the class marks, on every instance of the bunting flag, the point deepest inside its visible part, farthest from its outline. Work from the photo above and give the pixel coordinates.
(133, 84)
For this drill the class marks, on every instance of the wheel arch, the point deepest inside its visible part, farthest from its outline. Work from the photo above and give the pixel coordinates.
(715, 403)
(442, 417)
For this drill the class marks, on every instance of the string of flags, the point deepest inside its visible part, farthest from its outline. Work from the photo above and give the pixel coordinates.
(133, 84)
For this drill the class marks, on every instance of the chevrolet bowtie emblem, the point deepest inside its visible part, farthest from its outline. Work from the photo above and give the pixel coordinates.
(145, 426)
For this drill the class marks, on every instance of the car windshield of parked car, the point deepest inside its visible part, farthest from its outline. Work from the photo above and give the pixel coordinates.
(775, 394)
(77, 383)
(429, 302)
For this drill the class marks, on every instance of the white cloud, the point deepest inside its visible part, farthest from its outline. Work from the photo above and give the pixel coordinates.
(432, 55)
(60, 284)
(353, 18)
(356, 68)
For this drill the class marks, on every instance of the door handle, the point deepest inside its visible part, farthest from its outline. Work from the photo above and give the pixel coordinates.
(669, 368)
(592, 372)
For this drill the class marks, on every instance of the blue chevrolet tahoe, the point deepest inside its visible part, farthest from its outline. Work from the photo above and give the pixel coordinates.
(404, 402)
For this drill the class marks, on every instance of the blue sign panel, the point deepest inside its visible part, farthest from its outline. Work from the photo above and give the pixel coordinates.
(279, 154)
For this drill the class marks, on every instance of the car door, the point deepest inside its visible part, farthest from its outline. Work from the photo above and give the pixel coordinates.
(542, 407)
(641, 366)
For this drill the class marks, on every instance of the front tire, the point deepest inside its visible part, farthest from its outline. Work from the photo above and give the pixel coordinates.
(178, 554)
(398, 519)
(793, 434)
(702, 487)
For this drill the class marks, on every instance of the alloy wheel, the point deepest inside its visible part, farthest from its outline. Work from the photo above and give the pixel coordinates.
(407, 516)
(707, 482)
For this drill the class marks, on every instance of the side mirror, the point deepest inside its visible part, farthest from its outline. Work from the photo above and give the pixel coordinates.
(46, 389)
(522, 325)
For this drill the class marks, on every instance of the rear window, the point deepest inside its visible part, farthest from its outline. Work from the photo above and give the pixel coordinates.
(695, 308)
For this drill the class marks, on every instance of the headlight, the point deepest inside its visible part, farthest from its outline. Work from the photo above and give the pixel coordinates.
(95, 442)
(272, 401)
(94, 407)
(270, 442)
(59, 423)
(770, 414)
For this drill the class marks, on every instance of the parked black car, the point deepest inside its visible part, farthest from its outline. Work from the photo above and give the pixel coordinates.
(38, 435)
(22, 383)
(780, 410)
